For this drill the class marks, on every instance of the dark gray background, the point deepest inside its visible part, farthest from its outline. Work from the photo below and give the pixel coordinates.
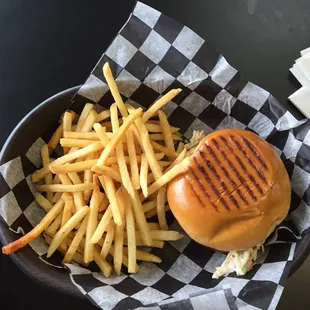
(47, 46)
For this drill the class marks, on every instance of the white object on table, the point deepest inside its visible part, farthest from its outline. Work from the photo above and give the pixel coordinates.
(301, 70)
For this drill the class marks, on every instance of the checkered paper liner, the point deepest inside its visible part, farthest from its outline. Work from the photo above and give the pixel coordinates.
(150, 55)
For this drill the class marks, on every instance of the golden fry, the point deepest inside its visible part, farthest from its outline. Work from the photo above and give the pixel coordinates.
(144, 256)
(65, 188)
(161, 213)
(80, 135)
(86, 110)
(160, 103)
(110, 190)
(143, 174)
(160, 137)
(46, 161)
(179, 168)
(113, 88)
(35, 232)
(53, 142)
(108, 240)
(102, 116)
(91, 226)
(117, 137)
(43, 202)
(102, 226)
(76, 241)
(66, 229)
(89, 122)
(158, 147)
(104, 266)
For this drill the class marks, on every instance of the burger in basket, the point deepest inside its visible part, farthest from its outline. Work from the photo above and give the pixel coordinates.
(107, 194)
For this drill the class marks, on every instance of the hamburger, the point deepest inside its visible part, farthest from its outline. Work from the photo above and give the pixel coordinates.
(231, 197)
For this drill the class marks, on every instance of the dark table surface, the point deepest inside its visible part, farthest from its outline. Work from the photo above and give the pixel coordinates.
(48, 46)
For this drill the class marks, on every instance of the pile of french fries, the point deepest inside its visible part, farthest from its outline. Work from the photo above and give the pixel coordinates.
(110, 181)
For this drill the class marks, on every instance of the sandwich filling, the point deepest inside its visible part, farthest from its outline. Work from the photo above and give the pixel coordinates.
(238, 261)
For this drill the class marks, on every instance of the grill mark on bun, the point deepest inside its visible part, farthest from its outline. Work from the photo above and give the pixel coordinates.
(231, 181)
(203, 189)
(213, 170)
(254, 151)
(208, 179)
(239, 176)
(258, 171)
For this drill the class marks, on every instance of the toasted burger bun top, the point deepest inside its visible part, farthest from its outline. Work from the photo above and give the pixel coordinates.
(234, 193)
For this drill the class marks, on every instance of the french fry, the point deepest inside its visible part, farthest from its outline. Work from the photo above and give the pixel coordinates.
(131, 237)
(43, 202)
(113, 160)
(156, 128)
(35, 232)
(150, 178)
(46, 161)
(125, 259)
(134, 170)
(76, 241)
(88, 164)
(104, 203)
(148, 149)
(153, 212)
(113, 88)
(88, 178)
(112, 173)
(119, 234)
(65, 230)
(149, 205)
(144, 256)
(117, 137)
(86, 110)
(89, 122)
(76, 154)
(91, 226)
(143, 174)
(158, 147)
(179, 168)
(104, 266)
(178, 160)
(163, 235)
(66, 126)
(126, 181)
(55, 224)
(56, 180)
(75, 179)
(53, 142)
(67, 143)
(161, 213)
(102, 116)
(180, 147)
(160, 137)
(102, 226)
(76, 167)
(65, 188)
(67, 212)
(96, 180)
(155, 243)
(166, 133)
(40, 174)
(110, 190)
(160, 103)
(101, 133)
(140, 219)
(108, 240)
(80, 135)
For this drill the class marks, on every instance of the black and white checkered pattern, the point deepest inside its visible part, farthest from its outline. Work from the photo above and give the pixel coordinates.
(151, 55)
